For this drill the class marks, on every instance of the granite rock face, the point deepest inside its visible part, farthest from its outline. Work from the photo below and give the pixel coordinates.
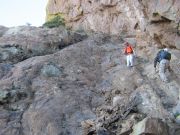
(158, 18)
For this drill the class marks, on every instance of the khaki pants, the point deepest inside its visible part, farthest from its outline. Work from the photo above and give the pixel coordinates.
(163, 66)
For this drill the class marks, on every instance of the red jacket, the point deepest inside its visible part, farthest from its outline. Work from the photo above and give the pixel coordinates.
(128, 49)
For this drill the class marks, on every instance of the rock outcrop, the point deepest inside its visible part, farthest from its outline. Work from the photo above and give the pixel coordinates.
(151, 126)
(20, 43)
(158, 18)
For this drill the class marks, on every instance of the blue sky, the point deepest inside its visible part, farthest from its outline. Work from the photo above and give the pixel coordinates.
(20, 12)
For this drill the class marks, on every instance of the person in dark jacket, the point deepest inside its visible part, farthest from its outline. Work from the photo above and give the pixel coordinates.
(157, 59)
(163, 58)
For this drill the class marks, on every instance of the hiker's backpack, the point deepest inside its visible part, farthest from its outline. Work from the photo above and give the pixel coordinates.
(165, 55)
(158, 56)
(128, 50)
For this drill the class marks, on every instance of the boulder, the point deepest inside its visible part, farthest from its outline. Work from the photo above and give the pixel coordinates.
(153, 126)
(22, 42)
(150, 102)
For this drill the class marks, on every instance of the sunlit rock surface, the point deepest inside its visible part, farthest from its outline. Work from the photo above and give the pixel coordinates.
(159, 18)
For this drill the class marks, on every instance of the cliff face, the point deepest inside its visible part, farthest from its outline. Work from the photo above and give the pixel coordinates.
(158, 18)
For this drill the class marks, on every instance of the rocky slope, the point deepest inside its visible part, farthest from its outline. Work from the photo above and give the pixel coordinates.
(82, 88)
(61, 82)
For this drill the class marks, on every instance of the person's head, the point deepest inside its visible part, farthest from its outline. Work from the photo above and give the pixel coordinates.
(126, 44)
(166, 49)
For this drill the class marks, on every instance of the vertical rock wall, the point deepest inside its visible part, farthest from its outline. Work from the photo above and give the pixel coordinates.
(159, 18)
(109, 16)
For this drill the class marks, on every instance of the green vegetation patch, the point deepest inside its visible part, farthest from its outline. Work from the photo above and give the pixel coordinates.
(54, 20)
(155, 14)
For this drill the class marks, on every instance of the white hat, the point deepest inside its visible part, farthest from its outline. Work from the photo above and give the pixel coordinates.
(166, 49)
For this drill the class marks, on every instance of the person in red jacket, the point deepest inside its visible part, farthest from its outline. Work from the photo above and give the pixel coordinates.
(129, 52)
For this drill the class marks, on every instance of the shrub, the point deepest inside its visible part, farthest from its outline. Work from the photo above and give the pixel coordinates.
(56, 21)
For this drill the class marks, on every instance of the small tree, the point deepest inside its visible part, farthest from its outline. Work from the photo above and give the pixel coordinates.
(55, 22)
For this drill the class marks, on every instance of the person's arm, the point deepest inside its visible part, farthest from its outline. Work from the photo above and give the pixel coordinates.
(133, 51)
(157, 58)
(155, 62)
(125, 52)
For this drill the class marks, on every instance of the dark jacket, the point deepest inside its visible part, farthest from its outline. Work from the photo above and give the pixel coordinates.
(160, 56)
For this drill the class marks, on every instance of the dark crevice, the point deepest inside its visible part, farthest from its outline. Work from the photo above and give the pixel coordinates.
(178, 28)
(101, 10)
(90, 2)
(166, 19)
(136, 26)
(109, 6)
(77, 38)
(162, 19)
(172, 47)
(157, 39)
